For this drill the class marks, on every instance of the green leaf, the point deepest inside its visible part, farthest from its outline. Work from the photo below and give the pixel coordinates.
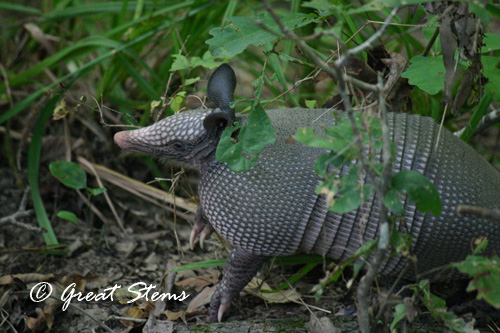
(491, 42)
(310, 104)
(242, 153)
(69, 216)
(69, 173)
(34, 151)
(182, 62)
(392, 202)
(324, 7)
(419, 189)
(437, 309)
(492, 73)
(399, 314)
(96, 191)
(427, 73)
(401, 243)
(485, 273)
(477, 114)
(351, 191)
(199, 265)
(235, 37)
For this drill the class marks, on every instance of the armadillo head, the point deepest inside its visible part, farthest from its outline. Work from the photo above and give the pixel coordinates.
(190, 136)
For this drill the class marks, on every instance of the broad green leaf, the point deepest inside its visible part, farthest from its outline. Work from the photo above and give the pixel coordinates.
(419, 189)
(485, 273)
(491, 43)
(399, 314)
(69, 216)
(242, 153)
(235, 37)
(492, 73)
(351, 192)
(310, 104)
(392, 202)
(69, 173)
(307, 136)
(427, 73)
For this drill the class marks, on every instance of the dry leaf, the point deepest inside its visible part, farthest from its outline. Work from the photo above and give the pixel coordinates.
(282, 296)
(197, 282)
(202, 298)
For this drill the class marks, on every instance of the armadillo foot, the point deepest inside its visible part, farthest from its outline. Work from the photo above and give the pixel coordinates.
(201, 225)
(240, 268)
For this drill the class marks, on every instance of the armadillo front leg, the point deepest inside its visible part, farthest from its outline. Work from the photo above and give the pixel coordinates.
(201, 225)
(240, 268)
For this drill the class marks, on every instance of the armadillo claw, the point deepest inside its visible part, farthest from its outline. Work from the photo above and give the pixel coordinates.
(219, 305)
(207, 231)
(222, 308)
(200, 228)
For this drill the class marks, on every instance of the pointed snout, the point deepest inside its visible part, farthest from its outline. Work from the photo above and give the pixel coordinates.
(121, 139)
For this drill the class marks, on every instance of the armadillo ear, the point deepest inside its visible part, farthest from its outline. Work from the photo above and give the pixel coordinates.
(216, 122)
(221, 87)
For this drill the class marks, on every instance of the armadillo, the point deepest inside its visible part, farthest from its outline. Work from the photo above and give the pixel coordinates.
(273, 209)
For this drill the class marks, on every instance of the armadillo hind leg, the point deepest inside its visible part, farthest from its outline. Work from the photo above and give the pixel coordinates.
(201, 226)
(240, 268)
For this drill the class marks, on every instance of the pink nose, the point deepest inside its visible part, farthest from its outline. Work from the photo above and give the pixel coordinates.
(121, 139)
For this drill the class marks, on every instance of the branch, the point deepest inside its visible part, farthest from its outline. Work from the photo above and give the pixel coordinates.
(21, 212)
(383, 243)
(491, 214)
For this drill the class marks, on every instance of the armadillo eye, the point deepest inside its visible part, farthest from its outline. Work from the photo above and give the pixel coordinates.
(178, 146)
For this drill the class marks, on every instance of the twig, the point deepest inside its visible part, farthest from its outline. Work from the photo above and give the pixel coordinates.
(487, 213)
(89, 165)
(21, 212)
(134, 320)
(102, 325)
(486, 121)
(383, 243)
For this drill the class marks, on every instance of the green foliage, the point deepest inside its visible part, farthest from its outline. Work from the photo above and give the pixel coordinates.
(243, 31)
(242, 153)
(479, 111)
(69, 173)
(399, 314)
(427, 73)
(419, 189)
(437, 308)
(364, 250)
(492, 73)
(485, 274)
(491, 43)
(69, 216)
(199, 265)
(182, 62)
